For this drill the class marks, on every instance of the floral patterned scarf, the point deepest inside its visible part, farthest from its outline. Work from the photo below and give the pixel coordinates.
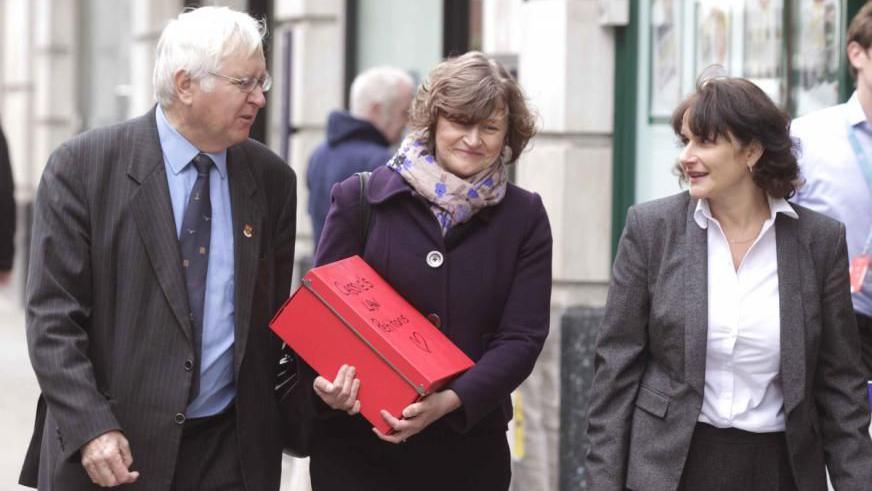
(453, 200)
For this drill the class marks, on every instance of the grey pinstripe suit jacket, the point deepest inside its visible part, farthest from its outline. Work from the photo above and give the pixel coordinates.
(107, 316)
(651, 350)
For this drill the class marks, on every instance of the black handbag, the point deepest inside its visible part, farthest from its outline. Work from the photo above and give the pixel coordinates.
(294, 406)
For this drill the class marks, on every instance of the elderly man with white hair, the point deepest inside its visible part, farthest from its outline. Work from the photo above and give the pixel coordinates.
(162, 247)
(358, 140)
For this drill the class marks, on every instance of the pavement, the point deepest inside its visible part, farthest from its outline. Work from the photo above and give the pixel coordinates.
(20, 392)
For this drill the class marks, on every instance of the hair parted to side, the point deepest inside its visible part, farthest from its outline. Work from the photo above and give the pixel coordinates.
(860, 31)
(379, 85)
(198, 41)
(735, 108)
(468, 89)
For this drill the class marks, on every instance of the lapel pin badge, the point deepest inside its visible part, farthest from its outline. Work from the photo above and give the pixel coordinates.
(247, 231)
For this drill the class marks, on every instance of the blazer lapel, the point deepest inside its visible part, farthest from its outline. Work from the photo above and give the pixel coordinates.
(153, 212)
(248, 228)
(791, 311)
(695, 256)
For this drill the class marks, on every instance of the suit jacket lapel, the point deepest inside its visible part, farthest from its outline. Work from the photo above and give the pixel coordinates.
(791, 311)
(248, 228)
(695, 256)
(153, 212)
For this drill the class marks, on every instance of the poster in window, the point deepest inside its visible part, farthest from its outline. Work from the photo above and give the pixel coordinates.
(816, 55)
(665, 89)
(763, 43)
(712, 35)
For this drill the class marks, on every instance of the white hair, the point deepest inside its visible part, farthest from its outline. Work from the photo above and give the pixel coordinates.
(198, 41)
(379, 85)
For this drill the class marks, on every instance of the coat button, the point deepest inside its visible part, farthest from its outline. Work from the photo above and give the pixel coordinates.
(435, 259)
(180, 418)
(189, 365)
(435, 320)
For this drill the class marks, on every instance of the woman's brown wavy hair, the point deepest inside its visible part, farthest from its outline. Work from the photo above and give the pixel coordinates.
(736, 108)
(467, 89)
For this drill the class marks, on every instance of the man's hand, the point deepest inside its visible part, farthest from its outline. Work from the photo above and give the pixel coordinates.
(107, 459)
(342, 393)
(419, 415)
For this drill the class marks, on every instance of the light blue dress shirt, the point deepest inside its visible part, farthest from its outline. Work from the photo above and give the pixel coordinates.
(217, 388)
(834, 182)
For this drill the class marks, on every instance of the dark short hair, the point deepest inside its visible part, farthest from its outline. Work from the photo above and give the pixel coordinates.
(467, 89)
(860, 31)
(736, 108)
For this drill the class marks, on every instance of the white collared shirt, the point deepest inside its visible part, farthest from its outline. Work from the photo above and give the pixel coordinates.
(743, 351)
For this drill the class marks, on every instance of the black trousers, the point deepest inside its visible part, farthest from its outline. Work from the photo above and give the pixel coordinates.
(423, 463)
(209, 457)
(728, 459)
(864, 325)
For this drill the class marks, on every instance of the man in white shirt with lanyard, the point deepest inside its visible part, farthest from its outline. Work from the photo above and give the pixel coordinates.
(836, 163)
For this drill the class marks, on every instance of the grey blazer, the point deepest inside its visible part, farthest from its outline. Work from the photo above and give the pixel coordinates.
(107, 315)
(650, 358)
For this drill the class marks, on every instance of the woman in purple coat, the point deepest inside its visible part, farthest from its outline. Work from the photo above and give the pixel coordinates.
(469, 250)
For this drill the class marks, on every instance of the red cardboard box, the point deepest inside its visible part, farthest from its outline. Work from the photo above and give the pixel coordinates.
(345, 313)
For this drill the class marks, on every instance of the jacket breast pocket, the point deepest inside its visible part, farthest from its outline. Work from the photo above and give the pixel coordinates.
(652, 402)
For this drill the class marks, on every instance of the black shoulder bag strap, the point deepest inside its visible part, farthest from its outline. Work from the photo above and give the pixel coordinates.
(365, 209)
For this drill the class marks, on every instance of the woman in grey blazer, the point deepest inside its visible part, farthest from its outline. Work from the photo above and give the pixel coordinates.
(729, 356)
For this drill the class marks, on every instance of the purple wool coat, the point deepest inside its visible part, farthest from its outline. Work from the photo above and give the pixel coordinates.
(490, 295)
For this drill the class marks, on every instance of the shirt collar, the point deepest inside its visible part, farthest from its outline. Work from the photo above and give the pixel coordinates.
(178, 151)
(854, 111)
(703, 214)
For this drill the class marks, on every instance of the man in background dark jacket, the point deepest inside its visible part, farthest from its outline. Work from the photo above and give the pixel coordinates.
(358, 140)
(7, 213)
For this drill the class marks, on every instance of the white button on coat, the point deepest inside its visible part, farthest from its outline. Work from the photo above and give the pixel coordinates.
(435, 259)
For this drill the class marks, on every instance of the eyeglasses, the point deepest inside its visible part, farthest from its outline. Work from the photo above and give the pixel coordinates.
(248, 84)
